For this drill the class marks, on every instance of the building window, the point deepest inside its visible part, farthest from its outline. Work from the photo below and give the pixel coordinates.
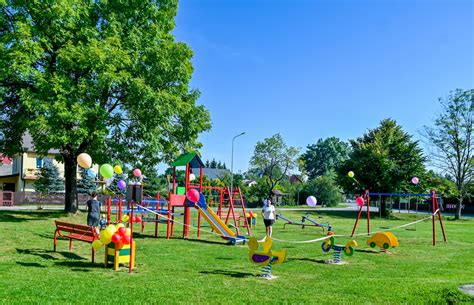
(39, 162)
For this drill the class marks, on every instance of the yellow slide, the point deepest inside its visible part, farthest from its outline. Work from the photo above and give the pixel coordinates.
(215, 222)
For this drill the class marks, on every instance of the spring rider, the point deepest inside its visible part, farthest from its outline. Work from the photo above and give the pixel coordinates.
(329, 244)
(266, 257)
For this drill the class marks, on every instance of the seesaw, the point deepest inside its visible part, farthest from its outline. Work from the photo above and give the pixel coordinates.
(303, 224)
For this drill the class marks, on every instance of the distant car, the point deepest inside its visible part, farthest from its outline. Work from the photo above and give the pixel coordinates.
(383, 240)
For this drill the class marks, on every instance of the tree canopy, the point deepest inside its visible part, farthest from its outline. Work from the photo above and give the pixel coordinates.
(274, 159)
(452, 140)
(324, 156)
(384, 160)
(97, 77)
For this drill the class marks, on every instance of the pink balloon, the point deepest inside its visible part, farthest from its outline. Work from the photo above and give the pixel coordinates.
(415, 180)
(137, 172)
(193, 195)
(360, 201)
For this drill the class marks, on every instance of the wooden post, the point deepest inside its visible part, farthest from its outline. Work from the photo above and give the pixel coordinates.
(109, 203)
(433, 216)
(132, 254)
(367, 196)
(357, 221)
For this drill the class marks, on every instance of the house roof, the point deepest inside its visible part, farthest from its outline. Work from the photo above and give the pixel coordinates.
(212, 173)
(28, 145)
(5, 160)
(278, 193)
(190, 158)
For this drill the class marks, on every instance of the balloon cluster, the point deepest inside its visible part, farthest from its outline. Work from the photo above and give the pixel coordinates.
(126, 218)
(105, 170)
(117, 234)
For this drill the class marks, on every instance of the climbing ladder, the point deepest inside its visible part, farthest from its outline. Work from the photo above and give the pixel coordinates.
(232, 202)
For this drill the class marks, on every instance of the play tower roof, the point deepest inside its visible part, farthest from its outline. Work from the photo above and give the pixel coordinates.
(189, 158)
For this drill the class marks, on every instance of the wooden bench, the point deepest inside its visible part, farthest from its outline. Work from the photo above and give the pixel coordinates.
(75, 231)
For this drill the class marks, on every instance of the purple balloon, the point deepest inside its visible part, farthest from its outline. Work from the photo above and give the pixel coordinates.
(415, 180)
(121, 184)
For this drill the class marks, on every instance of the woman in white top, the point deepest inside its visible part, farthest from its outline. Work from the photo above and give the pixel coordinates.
(268, 215)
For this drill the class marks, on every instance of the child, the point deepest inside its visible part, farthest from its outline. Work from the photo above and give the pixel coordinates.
(93, 212)
(268, 215)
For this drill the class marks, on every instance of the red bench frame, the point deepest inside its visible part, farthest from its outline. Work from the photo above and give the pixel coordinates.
(78, 232)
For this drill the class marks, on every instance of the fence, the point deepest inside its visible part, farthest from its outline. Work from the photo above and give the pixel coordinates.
(6, 199)
(33, 198)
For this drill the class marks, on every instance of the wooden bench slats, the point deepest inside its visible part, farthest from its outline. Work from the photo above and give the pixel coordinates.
(76, 232)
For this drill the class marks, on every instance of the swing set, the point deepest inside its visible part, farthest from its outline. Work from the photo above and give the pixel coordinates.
(434, 209)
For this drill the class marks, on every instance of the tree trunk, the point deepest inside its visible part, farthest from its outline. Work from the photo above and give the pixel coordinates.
(383, 207)
(70, 175)
(457, 215)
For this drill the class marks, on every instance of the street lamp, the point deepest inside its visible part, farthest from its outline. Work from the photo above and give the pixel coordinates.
(232, 166)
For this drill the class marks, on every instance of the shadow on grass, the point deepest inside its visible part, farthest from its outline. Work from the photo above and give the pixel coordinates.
(370, 251)
(207, 241)
(235, 274)
(31, 265)
(44, 254)
(319, 261)
(79, 265)
(37, 252)
(22, 216)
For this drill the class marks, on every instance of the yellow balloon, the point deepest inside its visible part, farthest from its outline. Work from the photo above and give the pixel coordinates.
(97, 244)
(128, 232)
(351, 174)
(125, 218)
(119, 225)
(110, 230)
(105, 238)
(84, 160)
(118, 169)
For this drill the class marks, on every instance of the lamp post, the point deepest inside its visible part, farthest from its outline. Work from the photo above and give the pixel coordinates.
(232, 165)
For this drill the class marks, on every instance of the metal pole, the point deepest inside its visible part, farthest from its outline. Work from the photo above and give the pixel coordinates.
(232, 165)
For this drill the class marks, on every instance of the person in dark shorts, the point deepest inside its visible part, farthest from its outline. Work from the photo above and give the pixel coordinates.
(268, 215)
(93, 212)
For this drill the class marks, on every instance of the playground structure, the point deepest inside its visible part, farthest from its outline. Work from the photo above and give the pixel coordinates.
(434, 208)
(266, 257)
(329, 244)
(384, 240)
(164, 211)
(303, 224)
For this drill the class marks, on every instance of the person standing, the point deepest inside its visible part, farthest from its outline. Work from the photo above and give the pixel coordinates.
(93, 212)
(268, 215)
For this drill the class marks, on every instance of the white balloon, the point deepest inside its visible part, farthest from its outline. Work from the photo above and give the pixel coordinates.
(311, 201)
(192, 177)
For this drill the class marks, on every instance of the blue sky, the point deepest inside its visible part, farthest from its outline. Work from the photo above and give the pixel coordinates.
(315, 69)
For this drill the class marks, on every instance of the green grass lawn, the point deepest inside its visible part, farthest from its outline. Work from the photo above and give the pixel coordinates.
(209, 271)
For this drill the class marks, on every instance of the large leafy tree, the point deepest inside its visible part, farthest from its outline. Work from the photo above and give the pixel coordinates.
(99, 77)
(324, 156)
(383, 160)
(452, 140)
(274, 159)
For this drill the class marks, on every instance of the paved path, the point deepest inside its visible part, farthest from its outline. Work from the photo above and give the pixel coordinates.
(469, 289)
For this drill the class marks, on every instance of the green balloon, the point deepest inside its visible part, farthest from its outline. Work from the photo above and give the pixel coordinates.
(107, 171)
